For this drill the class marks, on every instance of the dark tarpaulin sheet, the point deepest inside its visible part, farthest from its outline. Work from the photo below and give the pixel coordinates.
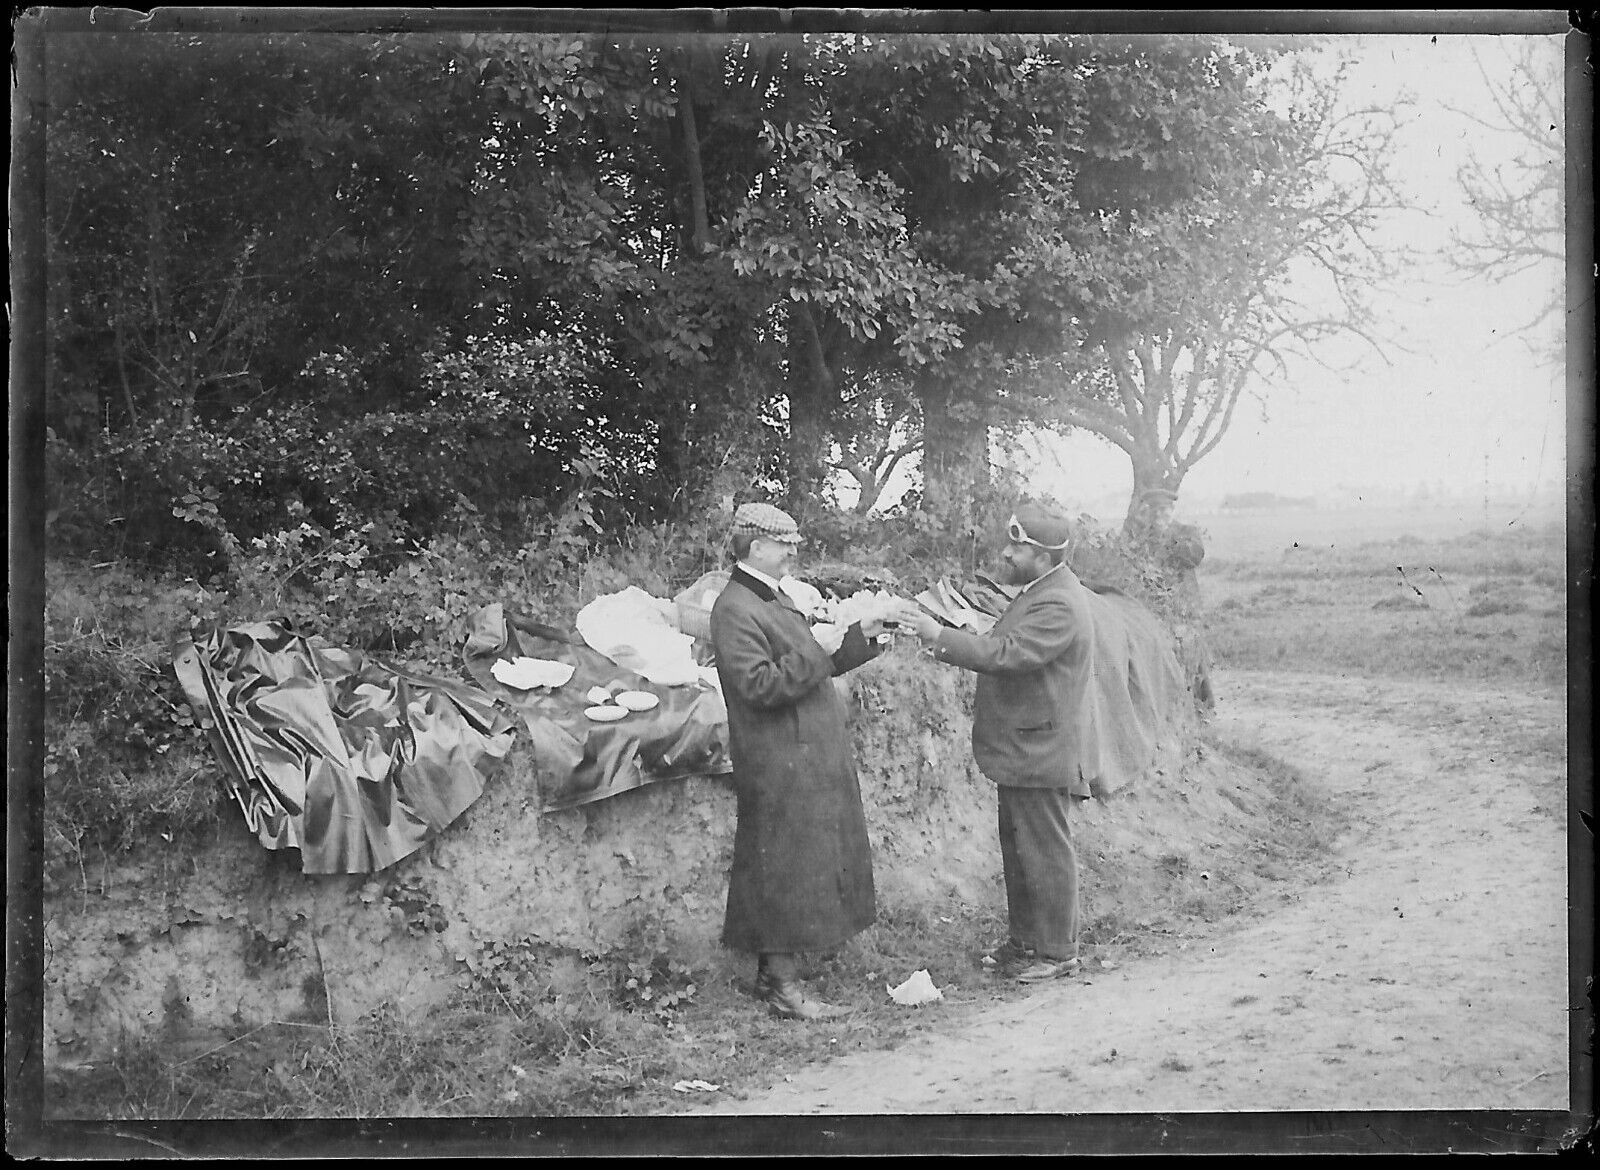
(1139, 700)
(349, 760)
(1139, 697)
(579, 760)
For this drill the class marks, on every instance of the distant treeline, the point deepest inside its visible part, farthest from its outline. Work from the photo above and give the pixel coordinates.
(1266, 500)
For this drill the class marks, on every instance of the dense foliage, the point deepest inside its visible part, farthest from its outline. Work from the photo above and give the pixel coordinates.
(369, 330)
(308, 283)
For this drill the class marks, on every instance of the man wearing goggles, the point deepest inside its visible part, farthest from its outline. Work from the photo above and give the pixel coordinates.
(1019, 535)
(1034, 671)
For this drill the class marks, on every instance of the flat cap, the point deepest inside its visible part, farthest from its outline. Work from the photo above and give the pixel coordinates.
(765, 520)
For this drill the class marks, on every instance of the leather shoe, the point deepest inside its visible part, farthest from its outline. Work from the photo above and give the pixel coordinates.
(1009, 952)
(788, 999)
(1046, 969)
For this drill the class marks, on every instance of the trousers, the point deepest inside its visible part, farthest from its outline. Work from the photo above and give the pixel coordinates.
(1041, 869)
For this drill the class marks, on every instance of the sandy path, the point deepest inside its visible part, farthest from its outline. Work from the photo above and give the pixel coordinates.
(1429, 973)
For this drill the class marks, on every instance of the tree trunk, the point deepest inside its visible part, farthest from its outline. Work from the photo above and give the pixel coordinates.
(699, 230)
(955, 453)
(1150, 473)
(121, 353)
(674, 462)
(871, 489)
(811, 395)
(155, 222)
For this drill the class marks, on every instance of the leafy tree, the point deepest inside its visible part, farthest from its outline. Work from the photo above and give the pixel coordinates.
(211, 191)
(884, 232)
(344, 281)
(613, 162)
(1258, 245)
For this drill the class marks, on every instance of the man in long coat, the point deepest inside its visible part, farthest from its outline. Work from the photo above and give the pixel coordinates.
(1034, 669)
(802, 866)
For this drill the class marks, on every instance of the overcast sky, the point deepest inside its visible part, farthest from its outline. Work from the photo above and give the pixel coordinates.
(1466, 404)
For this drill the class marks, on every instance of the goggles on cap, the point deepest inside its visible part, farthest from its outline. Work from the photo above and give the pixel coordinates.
(1019, 535)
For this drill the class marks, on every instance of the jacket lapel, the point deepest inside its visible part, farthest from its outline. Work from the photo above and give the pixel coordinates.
(1054, 579)
(760, 588)
(768, 594)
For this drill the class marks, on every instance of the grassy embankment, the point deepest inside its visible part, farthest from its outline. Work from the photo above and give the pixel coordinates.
(585, 1041)
(1491, 610)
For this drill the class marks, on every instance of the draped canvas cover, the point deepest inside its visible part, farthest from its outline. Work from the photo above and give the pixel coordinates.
(1139, 702)
(342, 756)
(580, 761)
(357, 763)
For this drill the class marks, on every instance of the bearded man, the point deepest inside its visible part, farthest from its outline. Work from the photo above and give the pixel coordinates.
(1034, 672)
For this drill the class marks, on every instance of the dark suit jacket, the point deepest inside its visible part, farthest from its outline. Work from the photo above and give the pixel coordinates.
(1035, 669)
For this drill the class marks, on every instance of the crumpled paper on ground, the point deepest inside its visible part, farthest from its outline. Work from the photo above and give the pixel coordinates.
(695, 1087)
(915, 991)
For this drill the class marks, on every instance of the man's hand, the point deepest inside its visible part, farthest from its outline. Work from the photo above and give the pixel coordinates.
(830, 636)
(913, 617)
(880, 615)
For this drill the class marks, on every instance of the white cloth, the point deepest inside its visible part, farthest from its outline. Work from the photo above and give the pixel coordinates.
(807, 597)
(637, 631)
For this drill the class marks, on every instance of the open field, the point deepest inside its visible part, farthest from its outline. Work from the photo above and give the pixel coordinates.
(1264, 536)
(1393, 593)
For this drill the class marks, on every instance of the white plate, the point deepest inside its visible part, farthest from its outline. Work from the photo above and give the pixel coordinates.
(598, 695)
(606, 714)
(636, 700)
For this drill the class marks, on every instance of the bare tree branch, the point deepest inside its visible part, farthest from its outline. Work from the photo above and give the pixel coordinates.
(1520, 201)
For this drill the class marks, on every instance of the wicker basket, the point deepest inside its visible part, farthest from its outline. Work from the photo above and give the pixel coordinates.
(694, 614)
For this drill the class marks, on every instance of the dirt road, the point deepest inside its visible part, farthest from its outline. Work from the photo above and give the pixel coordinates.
(1430, 972)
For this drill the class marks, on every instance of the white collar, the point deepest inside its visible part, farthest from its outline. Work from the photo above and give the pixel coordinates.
(1042, 576)
(760, 576)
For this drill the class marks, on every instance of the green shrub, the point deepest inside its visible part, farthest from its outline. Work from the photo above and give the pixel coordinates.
(125, 762)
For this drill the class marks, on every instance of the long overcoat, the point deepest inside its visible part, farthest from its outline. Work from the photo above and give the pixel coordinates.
(1035, 668)
(802, 866)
